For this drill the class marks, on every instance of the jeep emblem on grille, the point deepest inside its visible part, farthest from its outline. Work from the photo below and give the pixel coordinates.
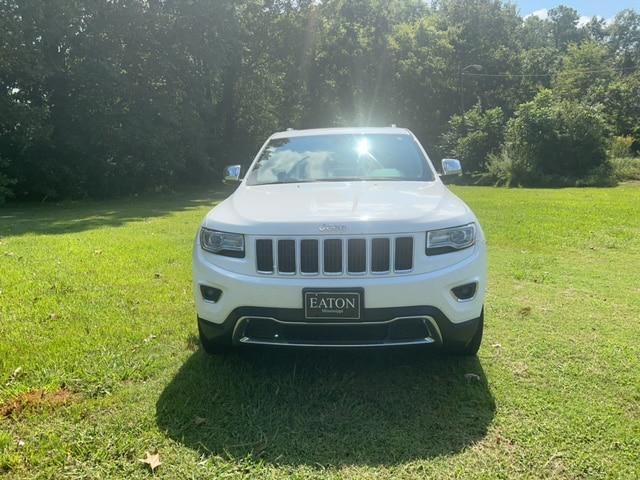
(332, 227)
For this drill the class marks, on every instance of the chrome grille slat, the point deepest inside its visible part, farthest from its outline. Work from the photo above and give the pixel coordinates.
(345, 254)
(335, 256)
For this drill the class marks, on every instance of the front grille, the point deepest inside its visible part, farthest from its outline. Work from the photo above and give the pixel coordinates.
(264, 254)
(357, 255)
(404, 254)
(308, 256)
(380, 255)
(287, 256)
(335, 256)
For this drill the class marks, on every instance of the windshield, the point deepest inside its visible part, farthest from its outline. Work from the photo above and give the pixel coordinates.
(334, 158)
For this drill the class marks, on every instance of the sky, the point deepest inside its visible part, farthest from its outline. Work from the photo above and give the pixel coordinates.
(586, 8)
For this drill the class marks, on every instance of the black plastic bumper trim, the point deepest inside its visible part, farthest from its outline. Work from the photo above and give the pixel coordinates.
(452, 333)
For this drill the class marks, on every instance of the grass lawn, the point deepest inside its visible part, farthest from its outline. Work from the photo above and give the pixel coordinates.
(99, 362)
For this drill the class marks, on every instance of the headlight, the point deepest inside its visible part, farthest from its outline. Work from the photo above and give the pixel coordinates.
(222, 243)
(451, 239)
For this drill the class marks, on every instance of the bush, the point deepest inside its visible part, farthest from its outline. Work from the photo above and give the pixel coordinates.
(626, 169)
(5, 184)
(5, 190)
(620, 147)
(504, 170)
(553, 142)
(474, 136)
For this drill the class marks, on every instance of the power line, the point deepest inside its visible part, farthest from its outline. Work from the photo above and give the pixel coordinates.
(623, 69)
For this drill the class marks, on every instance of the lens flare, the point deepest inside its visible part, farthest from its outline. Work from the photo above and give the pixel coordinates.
(362, 147)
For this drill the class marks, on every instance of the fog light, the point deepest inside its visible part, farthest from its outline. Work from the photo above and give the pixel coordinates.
(210, 294)
(466, 291)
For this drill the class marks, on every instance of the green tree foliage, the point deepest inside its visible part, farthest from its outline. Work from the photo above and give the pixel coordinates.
(552, 141)
(102, 98)
(483, 33)
(624, 40)
(564, 26)
(622, 107)
(474, 136)
(620, 147)
(424, 75)
(585, 74)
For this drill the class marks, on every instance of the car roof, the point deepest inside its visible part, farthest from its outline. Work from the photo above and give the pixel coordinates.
(342, 131)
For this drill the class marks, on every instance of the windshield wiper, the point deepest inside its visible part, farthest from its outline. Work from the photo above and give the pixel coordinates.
(340, 179)
(344, 179)
(362, 179)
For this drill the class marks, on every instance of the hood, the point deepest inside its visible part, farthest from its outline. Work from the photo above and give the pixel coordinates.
(354, 207)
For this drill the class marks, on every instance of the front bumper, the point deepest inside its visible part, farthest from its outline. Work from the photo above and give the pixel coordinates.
(419, 325)
(416, 308)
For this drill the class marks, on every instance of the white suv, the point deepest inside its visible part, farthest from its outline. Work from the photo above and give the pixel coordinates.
(341, 238)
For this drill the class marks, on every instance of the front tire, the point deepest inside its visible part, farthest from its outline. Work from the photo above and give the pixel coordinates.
(472, 347)
(216, 345)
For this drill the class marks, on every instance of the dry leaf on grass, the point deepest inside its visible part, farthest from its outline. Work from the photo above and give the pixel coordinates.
(17, 373)
(151, 459)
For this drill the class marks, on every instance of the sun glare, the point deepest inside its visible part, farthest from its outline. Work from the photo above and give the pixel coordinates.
(362, 147)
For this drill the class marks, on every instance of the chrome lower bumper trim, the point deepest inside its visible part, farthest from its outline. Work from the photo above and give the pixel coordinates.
(238, 336)
(277, 343)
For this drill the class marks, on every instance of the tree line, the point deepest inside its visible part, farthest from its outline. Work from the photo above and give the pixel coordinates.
(112, 97)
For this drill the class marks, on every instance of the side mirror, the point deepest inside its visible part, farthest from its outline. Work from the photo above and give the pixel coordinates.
(231, 174)
(451, 166)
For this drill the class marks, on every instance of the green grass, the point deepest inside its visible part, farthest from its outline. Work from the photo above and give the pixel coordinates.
(95, 299)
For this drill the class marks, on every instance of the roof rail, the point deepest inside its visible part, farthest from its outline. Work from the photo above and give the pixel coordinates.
(393, 125)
